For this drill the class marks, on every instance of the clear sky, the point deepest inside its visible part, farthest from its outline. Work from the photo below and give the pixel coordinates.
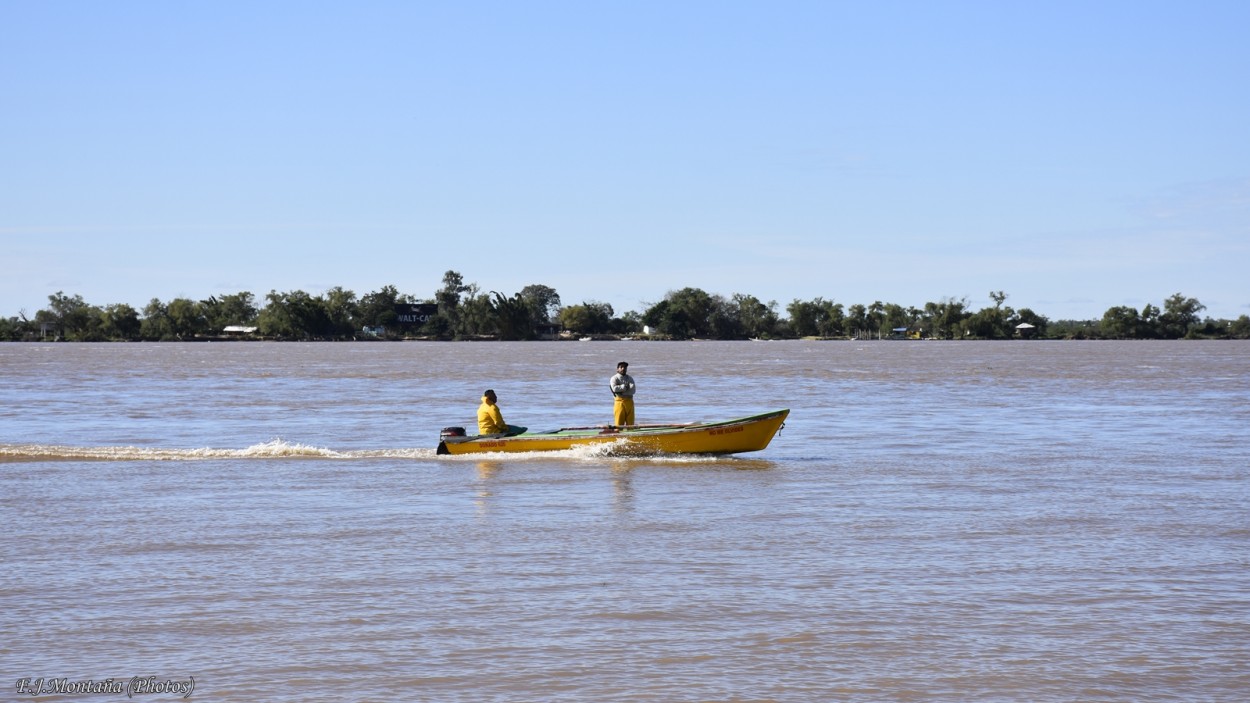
(1075, 155)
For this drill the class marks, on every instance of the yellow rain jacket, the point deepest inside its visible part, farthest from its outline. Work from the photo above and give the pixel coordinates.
(490, 419)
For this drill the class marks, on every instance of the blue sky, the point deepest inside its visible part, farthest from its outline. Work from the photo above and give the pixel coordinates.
(1076, 155)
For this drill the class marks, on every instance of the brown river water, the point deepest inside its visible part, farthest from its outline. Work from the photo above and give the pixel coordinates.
(937, 521)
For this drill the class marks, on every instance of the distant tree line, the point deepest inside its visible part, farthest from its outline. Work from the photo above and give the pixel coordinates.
(465, 311)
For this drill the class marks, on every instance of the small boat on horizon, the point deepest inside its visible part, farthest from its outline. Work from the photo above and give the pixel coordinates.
(745, 434)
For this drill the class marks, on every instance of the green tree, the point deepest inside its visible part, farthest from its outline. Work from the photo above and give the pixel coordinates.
(1121, 322)
(16, 329)
(803, 317)
(981, 324)
(186, 318)
(155, 324)
(231, 309)
(591, 317)
(513, 316)
(72, 318)
(946, 317)
(294, 315)
(120, 321)
(894, 317)
(628, 323)
(857, 320)
(876, 316)
(544, 303)
(1179, 315)
(341, 312)
(754, 317)
(991, 323)
(682, 314)
(448, 300)
(1039, 322)
(476, 316)
(723, 321)
(377, 309)
(1148, 326)
(818, 317)
(575, 319)
(1239, 328)
(276, 320)
(832, 320)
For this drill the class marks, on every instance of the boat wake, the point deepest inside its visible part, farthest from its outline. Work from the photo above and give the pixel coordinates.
(273, 449)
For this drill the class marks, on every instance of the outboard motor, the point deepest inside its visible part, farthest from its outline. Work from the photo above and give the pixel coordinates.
(448, 432)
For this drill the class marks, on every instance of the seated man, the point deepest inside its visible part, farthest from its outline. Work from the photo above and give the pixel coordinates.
(490, 418)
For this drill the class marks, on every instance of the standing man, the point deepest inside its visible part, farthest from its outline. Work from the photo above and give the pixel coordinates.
(622, 385)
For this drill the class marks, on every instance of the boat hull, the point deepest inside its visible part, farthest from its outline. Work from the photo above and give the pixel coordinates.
(747, 434)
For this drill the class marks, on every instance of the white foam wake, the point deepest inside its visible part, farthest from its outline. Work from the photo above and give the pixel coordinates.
(273, 449)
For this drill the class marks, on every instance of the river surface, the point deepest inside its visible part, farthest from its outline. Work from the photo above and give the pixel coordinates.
(937, 521)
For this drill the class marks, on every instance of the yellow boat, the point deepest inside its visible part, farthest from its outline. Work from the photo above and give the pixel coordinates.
(746, 434)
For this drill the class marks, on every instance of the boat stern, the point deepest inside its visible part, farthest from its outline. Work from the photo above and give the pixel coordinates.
(446, 433)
